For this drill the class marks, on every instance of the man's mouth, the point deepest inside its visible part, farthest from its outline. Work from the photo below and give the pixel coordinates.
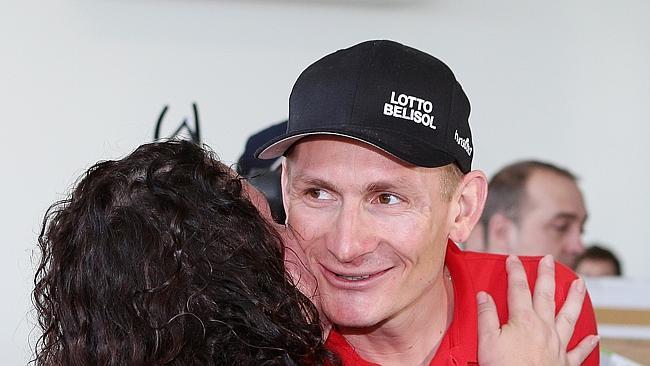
(353, 278)
(357, 278)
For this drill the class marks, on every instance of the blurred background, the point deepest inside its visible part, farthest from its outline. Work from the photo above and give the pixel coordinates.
(84, 80)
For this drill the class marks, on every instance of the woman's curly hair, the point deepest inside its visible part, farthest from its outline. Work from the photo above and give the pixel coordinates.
(160, 258)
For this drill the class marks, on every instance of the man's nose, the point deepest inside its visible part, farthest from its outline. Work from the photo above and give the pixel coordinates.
(576, 245)
(352, 234)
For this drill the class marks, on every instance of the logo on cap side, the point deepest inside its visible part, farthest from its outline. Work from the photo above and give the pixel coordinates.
(410, 108)
(464, 143)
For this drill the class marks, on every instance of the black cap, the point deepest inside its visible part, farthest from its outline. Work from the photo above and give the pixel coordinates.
(399, 99)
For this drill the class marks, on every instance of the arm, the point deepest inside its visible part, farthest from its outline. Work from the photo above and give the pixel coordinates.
(534, 335)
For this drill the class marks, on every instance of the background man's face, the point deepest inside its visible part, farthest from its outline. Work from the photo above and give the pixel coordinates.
(374, 230)
(552, 218)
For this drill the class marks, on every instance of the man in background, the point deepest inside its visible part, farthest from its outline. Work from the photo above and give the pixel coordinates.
(532, 208)
(264, 174)
(598, 261)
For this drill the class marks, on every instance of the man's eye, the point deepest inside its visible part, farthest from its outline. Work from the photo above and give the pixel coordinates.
(319, 194)
(562, 228)
(388, 199)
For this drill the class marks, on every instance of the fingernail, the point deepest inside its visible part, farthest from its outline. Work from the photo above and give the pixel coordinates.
(481, 297)
(580, 285)
(548, 261)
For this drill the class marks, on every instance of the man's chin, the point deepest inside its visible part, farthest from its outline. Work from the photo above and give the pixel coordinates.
(343, 319)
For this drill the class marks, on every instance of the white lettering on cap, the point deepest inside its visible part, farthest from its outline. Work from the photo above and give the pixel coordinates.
(464, 143)
(410, 108)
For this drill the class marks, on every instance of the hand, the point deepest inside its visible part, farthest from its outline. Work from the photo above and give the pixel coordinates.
(533, 334)
(295, 262)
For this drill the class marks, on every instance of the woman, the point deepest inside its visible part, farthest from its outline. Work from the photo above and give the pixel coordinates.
(161, 258)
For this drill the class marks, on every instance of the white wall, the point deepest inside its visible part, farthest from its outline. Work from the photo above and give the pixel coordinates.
(82, 80)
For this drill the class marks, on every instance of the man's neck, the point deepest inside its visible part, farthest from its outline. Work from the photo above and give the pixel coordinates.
(413, 336)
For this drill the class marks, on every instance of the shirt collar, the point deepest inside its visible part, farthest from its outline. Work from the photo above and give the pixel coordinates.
(463, 331)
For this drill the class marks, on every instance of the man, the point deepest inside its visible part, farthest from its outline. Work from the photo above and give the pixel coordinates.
(264, 174)
(533, 208)
(598, 261)
(377, 184)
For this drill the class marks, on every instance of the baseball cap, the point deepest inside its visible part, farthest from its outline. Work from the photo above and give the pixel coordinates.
(394, 97)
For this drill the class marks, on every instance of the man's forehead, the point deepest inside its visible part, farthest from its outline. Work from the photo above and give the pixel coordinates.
(558, 195)
(322, 146)
(342, 164)
(545, 185)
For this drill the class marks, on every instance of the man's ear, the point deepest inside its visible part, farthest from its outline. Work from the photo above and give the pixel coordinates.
(501, 234)
(469, 200)
(284, 180)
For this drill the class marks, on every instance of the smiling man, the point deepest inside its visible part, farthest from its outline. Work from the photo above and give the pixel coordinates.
(377, 184)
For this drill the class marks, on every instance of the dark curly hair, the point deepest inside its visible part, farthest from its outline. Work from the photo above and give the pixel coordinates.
(161, 258)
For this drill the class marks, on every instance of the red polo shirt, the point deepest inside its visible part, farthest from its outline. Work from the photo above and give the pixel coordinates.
(472, 272)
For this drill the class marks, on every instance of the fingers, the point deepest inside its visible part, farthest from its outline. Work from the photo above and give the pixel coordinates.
(567, 317)
(519, 299)
(577, 355)
(544, 293)
(488, 319)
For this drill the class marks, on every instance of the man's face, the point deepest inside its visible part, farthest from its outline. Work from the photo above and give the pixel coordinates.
(373, 229)
(552, 218)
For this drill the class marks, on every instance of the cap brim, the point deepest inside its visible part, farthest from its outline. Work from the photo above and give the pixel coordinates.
(278, 147)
